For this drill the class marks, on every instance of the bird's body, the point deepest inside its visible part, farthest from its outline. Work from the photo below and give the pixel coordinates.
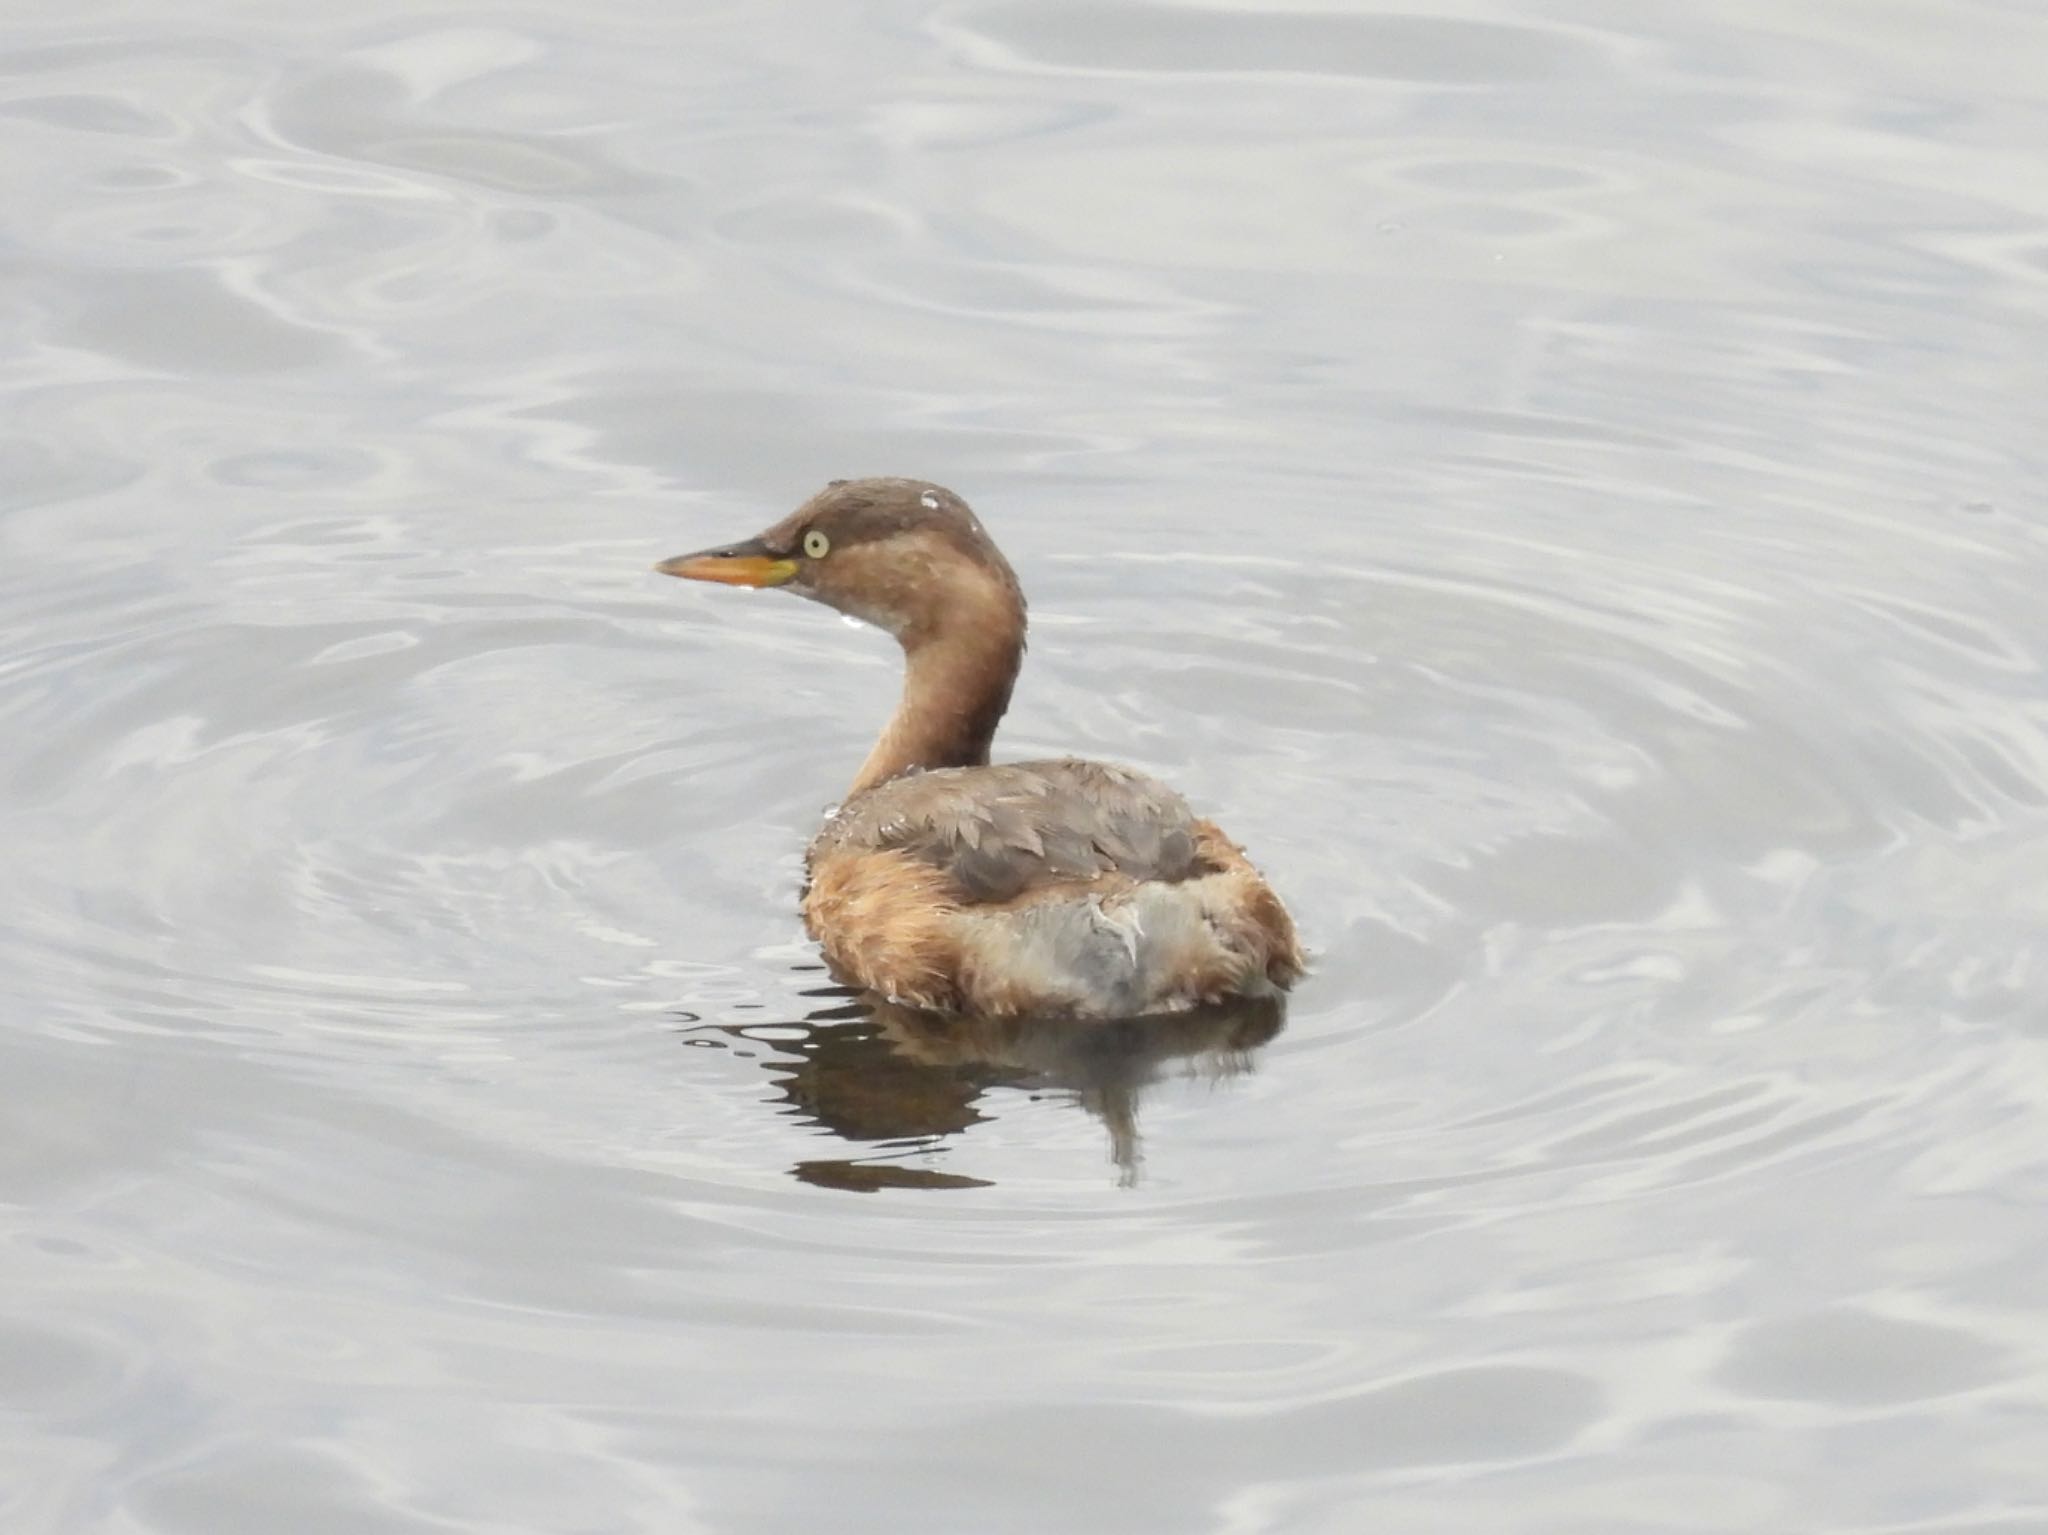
(1065, 886)
(1060, 887)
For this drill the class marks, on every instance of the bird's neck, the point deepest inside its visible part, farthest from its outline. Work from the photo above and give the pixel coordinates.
(956, 685)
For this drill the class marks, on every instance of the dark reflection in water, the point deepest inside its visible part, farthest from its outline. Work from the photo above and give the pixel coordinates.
(903, 1080)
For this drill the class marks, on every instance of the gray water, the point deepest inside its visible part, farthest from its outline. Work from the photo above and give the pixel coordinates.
(1562, 482)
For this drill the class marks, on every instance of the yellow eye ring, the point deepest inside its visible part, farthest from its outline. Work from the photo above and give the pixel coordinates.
(817, 545)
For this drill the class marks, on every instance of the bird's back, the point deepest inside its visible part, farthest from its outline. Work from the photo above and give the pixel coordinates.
(999, 831)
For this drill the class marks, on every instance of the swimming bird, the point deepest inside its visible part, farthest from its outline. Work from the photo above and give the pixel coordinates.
(1061, 888)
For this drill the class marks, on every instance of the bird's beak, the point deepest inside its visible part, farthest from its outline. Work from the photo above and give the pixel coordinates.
(752, 563)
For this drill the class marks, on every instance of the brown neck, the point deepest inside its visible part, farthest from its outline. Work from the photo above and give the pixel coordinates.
(956, 685)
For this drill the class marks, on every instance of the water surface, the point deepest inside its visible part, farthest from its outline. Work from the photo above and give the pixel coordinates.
(1561, 483)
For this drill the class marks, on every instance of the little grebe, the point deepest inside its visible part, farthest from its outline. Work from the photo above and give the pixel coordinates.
(1064, 887)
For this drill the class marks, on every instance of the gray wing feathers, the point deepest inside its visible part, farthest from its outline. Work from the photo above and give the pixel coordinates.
(1000, 830)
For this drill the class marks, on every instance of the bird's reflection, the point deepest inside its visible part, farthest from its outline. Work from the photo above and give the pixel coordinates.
(901, 1080)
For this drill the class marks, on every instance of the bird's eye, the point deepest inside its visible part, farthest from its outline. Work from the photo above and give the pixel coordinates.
(817, 545)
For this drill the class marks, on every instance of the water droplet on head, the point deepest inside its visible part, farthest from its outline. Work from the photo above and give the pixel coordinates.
(930, 500)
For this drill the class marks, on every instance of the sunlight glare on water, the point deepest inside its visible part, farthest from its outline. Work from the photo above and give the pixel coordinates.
(1562, 484)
